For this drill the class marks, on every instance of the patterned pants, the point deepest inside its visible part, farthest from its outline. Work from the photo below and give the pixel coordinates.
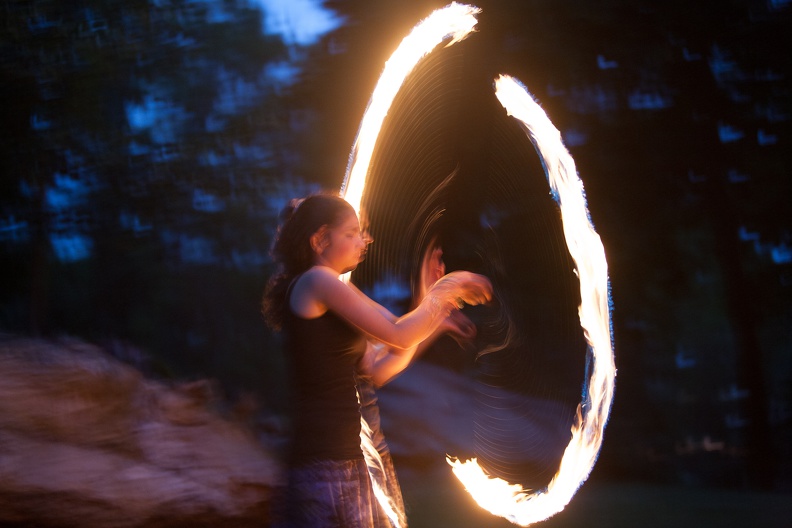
(334, 494)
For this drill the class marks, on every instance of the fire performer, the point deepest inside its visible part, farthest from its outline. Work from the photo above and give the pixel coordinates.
(332, 332)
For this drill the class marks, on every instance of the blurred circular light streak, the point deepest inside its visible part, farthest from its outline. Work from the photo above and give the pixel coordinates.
(498, 496)
(453, 23)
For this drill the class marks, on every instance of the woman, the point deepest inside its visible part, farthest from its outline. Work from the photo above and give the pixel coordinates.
(332, 333)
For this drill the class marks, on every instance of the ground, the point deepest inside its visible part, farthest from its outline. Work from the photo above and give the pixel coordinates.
(436, 501)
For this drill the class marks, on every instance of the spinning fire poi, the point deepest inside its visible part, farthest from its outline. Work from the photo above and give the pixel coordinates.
(509, 500)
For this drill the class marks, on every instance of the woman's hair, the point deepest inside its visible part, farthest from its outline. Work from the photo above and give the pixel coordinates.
(291, 250)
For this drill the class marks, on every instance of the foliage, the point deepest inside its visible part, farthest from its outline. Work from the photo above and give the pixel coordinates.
(143, 141)
(147, 147)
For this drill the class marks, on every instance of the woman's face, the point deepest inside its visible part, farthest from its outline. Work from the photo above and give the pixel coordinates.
(344, 246)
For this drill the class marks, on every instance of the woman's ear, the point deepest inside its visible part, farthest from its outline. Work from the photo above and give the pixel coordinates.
(320, 240)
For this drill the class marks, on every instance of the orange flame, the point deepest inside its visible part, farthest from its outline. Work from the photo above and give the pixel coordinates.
(585, 247)
(454, 23)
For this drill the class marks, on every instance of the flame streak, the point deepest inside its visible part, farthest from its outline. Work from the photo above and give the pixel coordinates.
(453, 23)
(585, 247)
(377, 475)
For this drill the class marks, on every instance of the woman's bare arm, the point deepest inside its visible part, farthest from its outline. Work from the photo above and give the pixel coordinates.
(382, 363)
(319, 290)
(381, 309)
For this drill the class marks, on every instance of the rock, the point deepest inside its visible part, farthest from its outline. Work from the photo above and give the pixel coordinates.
(86, 440)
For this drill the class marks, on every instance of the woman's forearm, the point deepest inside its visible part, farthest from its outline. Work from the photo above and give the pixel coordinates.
(385, 363)
(389, 364)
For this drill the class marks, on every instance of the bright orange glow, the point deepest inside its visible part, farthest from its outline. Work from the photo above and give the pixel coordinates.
(451, 23)
(495, 495)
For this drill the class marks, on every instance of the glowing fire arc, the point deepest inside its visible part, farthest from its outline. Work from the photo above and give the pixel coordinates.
(452, 24)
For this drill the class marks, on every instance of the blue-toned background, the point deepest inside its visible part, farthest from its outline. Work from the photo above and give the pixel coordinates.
(147, 147)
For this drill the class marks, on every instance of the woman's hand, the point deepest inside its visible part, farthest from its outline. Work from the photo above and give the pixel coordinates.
(462, 287)
(460, 328)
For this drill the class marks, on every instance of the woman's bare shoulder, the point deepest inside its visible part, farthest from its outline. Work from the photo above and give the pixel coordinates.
(319, 275)
(321, 281)
(314, 291)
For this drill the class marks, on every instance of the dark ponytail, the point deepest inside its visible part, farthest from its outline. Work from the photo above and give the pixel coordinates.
(291, 250)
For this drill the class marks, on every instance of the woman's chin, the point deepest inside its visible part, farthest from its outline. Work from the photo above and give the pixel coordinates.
(350, 268)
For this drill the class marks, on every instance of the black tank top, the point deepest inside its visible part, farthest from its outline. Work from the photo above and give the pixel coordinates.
(324, 353)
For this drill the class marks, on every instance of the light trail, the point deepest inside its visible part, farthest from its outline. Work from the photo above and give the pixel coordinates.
(495, 495)
(453, 23)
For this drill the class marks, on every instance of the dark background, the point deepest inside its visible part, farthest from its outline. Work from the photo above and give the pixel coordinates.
(148, 146)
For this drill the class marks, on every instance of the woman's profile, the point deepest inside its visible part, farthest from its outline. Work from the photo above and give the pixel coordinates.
(334, 337)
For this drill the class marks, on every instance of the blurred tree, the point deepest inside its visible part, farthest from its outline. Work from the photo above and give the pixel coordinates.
(144, 145)
(147, 146)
